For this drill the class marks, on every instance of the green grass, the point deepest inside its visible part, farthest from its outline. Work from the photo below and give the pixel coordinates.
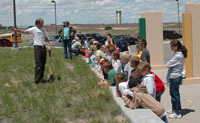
(74, 98)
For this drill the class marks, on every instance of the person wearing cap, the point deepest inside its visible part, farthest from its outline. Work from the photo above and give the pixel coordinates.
(67, 33)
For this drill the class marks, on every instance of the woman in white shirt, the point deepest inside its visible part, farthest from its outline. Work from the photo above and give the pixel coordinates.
(176, 67)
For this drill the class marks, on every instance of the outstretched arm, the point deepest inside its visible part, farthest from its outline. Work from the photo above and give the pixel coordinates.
(21, 31)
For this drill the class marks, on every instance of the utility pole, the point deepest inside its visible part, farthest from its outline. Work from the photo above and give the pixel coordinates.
(179, 24)
(15, 23)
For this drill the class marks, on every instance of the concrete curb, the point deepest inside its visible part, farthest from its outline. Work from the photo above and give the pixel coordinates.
(135, 115)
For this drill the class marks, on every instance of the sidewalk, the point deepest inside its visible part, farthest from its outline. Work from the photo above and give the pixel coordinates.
(190, 100)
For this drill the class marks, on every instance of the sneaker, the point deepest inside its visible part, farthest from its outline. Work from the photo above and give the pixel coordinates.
(175, 116)
(170, 111)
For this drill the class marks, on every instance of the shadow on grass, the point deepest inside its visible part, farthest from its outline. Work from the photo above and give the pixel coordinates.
(52, 78)
(187, 111)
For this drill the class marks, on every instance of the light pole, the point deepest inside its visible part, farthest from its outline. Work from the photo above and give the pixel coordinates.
(53, 1)
(179, 24)
(15, 24)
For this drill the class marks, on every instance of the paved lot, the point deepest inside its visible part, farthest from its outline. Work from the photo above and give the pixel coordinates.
(190, 97)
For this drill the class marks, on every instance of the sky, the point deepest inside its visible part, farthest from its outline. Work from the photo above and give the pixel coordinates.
(86, 11)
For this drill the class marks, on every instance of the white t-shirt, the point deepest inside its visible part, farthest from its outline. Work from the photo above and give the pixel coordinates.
(148, 81)
(117, 65)
(128, 69)
(39, 35)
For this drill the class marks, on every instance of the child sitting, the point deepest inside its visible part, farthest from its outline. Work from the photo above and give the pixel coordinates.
(108, 69)
(92, 58)
(148, 79)
(116, 63)
(124, 87)
(119, 78)
(97, 50)
(111, 49)
(126, 68)
(98, 67)
(138, 51)
(160, 87)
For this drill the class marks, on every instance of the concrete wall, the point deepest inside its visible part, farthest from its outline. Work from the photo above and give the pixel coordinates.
(187, 41)
(194, 9)
(154, 36)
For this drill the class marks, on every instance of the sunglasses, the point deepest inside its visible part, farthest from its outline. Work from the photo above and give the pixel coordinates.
(172, 45)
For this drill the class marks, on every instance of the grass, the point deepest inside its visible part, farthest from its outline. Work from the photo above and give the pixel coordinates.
(73, 96)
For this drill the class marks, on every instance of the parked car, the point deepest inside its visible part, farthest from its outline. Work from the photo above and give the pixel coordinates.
(55, 40)
(136, 35)
(83, 36)
(169, 34)
(5, 43)
(97, 37)
(54, 37)
(130, 40)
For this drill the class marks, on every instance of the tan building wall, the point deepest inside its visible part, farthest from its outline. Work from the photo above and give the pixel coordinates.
(187, 41)
(154, 36)
(194, 9)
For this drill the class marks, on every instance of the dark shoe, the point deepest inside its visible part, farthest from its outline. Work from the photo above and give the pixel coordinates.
(36, 82)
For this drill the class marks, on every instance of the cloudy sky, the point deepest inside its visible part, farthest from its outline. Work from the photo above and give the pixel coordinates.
(87, 11)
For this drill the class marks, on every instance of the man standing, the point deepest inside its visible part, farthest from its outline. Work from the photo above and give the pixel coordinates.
(40, 36)
(67, 34)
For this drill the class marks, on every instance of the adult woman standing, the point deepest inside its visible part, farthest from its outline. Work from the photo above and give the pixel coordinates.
(67, 34)
(174, 76)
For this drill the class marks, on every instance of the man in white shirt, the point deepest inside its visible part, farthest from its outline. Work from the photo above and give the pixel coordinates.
(40, 40)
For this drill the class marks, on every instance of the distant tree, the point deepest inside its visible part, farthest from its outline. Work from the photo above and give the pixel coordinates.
(108, 28)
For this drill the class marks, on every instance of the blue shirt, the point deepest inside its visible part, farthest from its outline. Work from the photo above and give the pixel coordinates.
(66, 33)
(92, 60)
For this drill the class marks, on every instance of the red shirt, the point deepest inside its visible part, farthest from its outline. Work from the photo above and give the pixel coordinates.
(159, 83)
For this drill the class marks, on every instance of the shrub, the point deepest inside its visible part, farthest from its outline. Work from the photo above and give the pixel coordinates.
(108, 28)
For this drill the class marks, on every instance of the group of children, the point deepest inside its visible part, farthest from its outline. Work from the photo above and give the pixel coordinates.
(127, 72)
(131, 74)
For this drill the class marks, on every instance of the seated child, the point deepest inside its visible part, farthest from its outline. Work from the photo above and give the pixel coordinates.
(97, 50)
(125, 57)
(105, 75)
(92, 58)
(116, 63)
(134, 61)
(98, 66)
(138, 51)
(148, 79)
(111, 49)
(160, 87)
(107, 68)
(119, 78)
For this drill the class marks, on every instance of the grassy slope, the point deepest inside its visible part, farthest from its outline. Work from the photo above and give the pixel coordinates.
(76, 97)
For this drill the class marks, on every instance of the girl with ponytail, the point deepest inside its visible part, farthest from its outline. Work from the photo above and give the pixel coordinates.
(174, 76)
